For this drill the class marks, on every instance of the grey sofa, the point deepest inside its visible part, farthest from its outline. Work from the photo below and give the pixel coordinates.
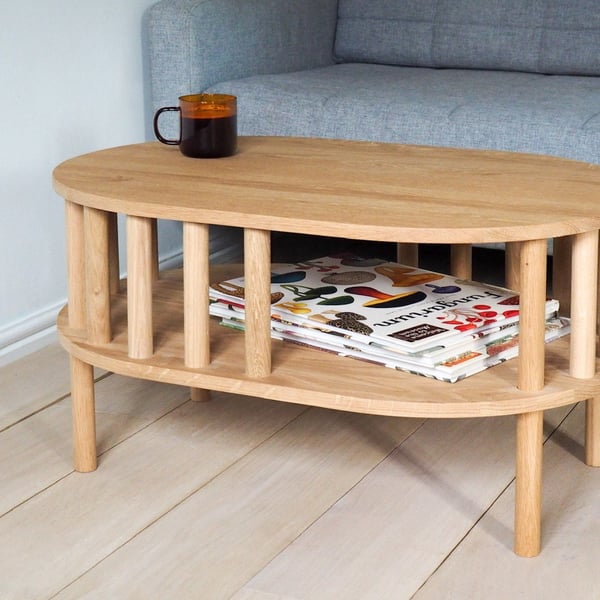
(520, 75)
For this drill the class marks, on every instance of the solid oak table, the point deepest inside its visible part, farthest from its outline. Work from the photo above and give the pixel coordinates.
(156, 325)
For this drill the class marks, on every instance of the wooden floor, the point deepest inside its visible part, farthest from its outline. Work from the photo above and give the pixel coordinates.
(254, 500)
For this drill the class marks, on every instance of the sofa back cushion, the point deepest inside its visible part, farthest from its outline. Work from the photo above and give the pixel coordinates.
(540, 36)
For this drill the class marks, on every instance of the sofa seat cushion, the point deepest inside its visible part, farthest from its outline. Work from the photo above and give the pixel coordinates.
(524, 112)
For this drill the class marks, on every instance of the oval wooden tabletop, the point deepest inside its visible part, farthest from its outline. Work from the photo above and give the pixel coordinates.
(360, 190)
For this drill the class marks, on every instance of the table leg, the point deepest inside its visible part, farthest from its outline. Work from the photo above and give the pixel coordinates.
(592, 432)
(139, 287)
(461, 261)
(528, 493)
(257, 274)
(75, 265)
(196, 325)
(532, 318)
(532, 276)
(84, 416)
(96, 224)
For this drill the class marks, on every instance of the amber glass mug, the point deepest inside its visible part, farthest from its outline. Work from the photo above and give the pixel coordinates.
(207, 125)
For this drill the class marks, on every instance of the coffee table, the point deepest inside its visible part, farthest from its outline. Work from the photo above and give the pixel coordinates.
(156, 325)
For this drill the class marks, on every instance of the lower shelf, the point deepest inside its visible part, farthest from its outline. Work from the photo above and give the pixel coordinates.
(311, 377)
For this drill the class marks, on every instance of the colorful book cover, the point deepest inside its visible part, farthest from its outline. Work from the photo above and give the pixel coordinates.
(374, 302)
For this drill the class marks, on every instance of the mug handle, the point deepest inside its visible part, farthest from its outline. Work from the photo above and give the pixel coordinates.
(157, 133)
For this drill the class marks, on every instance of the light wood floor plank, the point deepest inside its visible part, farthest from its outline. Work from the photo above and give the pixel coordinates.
(33, 382)
(389, 533)
(210, 545)
(299, 516)
(247, 594)
(62, 532)
(37, 452)
(568, 566)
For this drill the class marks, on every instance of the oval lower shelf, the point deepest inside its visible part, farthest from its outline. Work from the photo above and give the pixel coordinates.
(316, 378)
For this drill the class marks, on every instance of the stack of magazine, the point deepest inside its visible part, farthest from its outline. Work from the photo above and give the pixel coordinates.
(395, 315)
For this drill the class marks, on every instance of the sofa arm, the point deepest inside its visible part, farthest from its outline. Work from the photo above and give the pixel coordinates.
(193, 44)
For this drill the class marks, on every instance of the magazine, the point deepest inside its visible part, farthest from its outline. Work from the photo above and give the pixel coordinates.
(392, 314)
(233, 316)
(401, 307)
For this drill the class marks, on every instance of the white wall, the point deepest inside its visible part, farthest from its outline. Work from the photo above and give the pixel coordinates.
(71, 82)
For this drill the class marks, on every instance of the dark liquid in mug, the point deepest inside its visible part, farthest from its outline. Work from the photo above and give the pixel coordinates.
(209, 137)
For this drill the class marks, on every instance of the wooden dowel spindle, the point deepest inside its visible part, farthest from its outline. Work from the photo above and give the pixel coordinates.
(257, 274)
(139, 287)
(561, 273)
(154, 247)
(584, 294)
(96, 226)
(407, 254)
(195, 300)
(113, 253)
(512, 265)
(532, 318)
(75, 265)
(461, 261)
(584, 311)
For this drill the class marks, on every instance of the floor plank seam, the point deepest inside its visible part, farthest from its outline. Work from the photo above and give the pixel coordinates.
(44, 489)
(72, 471)
(142, 428)
(174, 506)
(486, 511)
(49, 405)
(324, 513)
(555, 430)
(463, 538)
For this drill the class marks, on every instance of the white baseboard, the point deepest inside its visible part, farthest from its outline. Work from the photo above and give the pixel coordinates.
(38, 330)
(28, 335)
